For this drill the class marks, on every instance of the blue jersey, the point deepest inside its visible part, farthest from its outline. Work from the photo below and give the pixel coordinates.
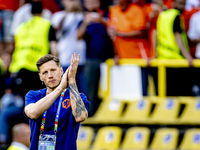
(67, 126)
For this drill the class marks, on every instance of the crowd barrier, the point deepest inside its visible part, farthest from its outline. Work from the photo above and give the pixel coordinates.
(161, 64)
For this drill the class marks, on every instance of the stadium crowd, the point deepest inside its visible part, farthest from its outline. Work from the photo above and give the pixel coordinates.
(96, 29)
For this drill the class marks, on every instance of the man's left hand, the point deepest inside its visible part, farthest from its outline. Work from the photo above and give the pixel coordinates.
(73, 67)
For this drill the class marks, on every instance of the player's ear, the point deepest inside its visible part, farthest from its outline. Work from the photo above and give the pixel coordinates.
(41, 79)
(61, 70)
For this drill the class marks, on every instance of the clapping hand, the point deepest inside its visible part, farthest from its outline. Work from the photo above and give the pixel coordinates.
(73, 68)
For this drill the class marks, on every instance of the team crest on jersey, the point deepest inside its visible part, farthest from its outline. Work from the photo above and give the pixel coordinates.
(66, 103)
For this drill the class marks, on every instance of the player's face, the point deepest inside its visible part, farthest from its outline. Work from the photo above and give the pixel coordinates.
(50, 74)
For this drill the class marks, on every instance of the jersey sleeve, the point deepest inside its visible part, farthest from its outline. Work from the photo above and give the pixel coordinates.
(32, 97)
(85, 101)
(177, 25)
(52, 34)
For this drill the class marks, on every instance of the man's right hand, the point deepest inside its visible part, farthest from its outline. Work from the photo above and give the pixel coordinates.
(64, 81)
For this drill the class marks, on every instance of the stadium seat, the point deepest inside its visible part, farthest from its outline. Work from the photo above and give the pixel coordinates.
(191, 140)
(137, 112)
(165, 138)
(166, 111)
(136, 138)
(85, 137)
(109, 111)
(191, 113)
(108, 138)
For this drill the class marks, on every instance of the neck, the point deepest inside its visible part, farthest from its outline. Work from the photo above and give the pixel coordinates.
(124, 6)
(179, 10)
(50, 89)
(69, 10)
(19, 142)
(37, 15)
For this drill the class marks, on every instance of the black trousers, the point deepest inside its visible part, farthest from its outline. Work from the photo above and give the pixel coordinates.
(92, 73)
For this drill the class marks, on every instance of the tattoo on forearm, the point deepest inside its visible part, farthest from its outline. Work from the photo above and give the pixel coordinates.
(80, 107)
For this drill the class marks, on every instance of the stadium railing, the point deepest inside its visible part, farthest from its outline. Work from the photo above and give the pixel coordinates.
(161, 64)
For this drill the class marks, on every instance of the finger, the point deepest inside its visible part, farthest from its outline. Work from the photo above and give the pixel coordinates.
(67, 69)
(71, 59)
(66, 72)
(79, 58)
(74, 56)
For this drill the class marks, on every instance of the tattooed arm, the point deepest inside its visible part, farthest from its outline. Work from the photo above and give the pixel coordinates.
(78, 107)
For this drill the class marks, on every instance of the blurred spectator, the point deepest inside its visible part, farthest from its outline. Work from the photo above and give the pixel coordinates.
(171, 37)
(24, 13)
(5, 80)
(11, 113)
(127, 28)
(66, 23)
(194, 32)
(190, 4)
(32, 41)
(187, 16)
(168, 4)
(153, 10)
(139, 2)
(172, 44)
(7, 9)
(127, 23)
(99, 47)
(21, 134)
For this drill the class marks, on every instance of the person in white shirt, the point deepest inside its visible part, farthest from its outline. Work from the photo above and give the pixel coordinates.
(191, 4)
(65, 22)
(21, 133)
(194, 31)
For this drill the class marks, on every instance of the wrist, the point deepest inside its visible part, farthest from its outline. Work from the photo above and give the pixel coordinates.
(60, 88)
(72, 81)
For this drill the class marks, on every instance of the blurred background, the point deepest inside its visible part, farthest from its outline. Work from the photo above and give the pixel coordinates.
(139, 69)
